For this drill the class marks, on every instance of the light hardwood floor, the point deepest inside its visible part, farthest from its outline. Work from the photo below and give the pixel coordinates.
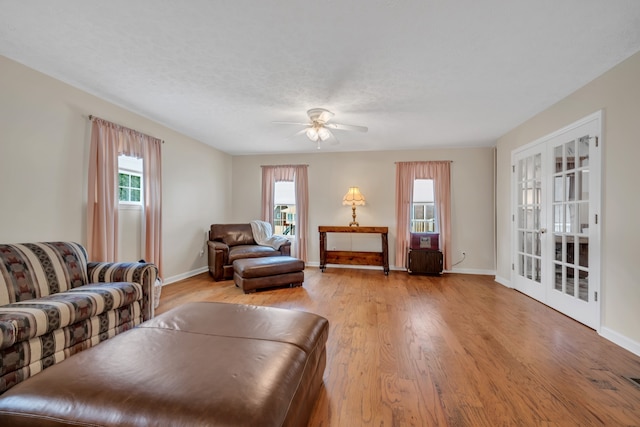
(456, 350)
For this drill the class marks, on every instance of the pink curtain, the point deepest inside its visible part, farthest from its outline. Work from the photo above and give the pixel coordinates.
(108, 141)
(297, 174)
(406, 173)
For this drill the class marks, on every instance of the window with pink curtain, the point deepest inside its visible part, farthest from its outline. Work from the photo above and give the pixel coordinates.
(297, 174)
(406, 174)
(108, 141)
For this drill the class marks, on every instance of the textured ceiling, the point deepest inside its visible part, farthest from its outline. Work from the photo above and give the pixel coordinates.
(418, 73)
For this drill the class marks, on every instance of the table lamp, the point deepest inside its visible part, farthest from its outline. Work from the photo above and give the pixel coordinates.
(353, 198)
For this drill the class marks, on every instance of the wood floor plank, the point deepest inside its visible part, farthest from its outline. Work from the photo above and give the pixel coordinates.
(455, 350)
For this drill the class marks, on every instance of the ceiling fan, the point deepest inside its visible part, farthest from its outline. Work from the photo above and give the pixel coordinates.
(319, 129)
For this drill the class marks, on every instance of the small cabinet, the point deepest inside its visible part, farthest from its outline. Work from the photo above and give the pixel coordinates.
(424, 262)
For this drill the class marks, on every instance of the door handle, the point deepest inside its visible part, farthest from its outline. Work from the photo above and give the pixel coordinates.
(543, 230)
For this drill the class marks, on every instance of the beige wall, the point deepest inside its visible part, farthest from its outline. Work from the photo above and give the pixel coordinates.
(44, 145)
(617, 93)
(331, 174)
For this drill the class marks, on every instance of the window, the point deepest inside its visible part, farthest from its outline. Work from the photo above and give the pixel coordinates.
(423, 212)
(129, 180)
(284, 214)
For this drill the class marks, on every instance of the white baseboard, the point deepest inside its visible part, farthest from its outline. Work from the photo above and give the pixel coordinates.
(621, 340)
(472, 271)
(183, 276)
(503, 281)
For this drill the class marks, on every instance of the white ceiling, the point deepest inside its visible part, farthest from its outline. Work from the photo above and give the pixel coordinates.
(418, 73)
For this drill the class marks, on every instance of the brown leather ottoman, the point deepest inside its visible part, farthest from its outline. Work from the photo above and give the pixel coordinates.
(200, 364)
(267, 272)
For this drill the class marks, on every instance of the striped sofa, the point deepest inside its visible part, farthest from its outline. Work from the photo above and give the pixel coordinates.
(54, 303)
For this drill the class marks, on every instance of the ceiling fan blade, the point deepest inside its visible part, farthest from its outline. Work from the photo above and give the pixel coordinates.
(339, 126)
(296, 134)
(291, 123)
(325, 116)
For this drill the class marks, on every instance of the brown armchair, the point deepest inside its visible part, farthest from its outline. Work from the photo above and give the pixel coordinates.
(229, 242)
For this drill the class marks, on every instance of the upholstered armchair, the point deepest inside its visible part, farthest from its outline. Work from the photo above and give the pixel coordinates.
(229, 242)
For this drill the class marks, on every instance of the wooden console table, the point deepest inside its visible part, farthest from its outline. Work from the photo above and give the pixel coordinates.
(354, 257)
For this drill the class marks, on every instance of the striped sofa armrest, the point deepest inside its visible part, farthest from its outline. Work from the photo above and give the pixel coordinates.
(143, 273)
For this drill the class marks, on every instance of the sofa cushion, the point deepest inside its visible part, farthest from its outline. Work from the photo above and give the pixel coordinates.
(33, 318)
(268, 266)
(33, 270)
(232, 234)
(27, 358)
(250, 251)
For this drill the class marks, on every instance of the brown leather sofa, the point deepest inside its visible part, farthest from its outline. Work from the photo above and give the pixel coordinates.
(229, 242)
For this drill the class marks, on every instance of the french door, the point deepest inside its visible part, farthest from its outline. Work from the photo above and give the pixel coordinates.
(556, 227)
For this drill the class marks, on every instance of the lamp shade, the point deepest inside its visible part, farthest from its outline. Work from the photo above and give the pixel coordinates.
(353, 197)
(312, 134)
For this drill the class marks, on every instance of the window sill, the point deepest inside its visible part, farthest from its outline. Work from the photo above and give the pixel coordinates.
(130, 206)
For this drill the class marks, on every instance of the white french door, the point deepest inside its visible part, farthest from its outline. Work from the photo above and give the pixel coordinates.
(556, 229)
(529, 222)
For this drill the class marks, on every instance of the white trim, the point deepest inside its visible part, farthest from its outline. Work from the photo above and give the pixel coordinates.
(591, 117)
(503, 281)
(479, 271)
(621, 340)
(134, 206)
(183, 276)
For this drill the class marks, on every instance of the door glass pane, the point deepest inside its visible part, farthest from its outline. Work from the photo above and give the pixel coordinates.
(557, 154)
(521, 218)
(583, 285)
(571, 186)
(570, 152)
(536, 244)
(558, 277)
(584, 185)
(521, 265)
(537, 167)
(570, 288)
(570, 250)
(583, 252)
(522, 169)
(558, 190)
(558, 222)
(559, 251)
(583, 214)
(570, 220)
(536, 270)
(583, 151)
(521, 241)
(529, 268)
(529, 220)
(529, 168)
(528, 243)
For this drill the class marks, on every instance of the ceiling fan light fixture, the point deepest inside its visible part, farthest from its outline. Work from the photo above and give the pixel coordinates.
(324, 133)
(312, 134)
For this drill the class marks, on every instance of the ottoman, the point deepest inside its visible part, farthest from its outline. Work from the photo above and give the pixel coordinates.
(267, 272)
(200, 364)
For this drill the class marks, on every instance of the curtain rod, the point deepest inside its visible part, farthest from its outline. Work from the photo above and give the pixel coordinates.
(422, 161)
(269, 166)
(91, 117)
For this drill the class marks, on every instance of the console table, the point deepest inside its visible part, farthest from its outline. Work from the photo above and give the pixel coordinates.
(354, 257)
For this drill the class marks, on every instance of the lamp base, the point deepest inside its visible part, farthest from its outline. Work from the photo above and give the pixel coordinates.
(353, 215)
